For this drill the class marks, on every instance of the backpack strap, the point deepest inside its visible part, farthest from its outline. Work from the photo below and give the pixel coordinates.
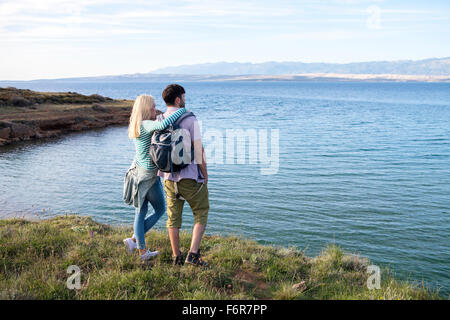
(185, 115)
(177, 122)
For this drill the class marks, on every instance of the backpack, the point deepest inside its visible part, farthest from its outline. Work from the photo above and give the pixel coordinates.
(166, 148)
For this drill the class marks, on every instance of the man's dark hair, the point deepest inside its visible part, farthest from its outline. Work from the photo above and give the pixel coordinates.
(171, 92)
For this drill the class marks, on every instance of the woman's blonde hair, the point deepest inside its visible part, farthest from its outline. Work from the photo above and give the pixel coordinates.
(141, 111)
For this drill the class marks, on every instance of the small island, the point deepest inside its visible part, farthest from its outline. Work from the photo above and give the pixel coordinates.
(28, 115)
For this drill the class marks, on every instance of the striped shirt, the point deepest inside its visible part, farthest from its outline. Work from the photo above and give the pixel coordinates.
(143, 142)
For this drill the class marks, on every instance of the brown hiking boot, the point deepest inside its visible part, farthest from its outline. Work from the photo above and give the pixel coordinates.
(178, 260)
(196, 259)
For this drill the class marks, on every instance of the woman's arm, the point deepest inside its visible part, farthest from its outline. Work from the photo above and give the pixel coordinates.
(150, 125)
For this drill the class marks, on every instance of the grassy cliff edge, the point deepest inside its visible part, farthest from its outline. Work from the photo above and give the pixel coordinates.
(35, 255)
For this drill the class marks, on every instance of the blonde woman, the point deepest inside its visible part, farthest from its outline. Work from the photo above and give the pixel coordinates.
(146, 185)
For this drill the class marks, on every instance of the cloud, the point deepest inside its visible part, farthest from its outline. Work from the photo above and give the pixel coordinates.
(74, 33)
(26, 20)
(323, 35)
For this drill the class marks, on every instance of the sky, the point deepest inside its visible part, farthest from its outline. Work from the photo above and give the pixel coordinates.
(44, 39)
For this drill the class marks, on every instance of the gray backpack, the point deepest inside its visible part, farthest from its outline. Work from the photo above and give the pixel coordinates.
(167, 149)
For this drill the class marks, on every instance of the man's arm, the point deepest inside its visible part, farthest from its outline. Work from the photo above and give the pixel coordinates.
(203, 167)
(199, 151)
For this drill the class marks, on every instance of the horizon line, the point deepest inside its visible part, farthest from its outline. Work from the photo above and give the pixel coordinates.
(298, 61)
(232, 62)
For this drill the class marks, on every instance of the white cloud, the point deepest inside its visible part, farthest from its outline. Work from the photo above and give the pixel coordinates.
(73, 33)
(44, 35)
(26, 20)
(323, 35)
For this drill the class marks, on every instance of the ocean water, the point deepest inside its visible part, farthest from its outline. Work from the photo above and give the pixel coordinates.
(362, 165)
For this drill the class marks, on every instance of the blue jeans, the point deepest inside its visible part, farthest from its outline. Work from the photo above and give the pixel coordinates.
(141, 224)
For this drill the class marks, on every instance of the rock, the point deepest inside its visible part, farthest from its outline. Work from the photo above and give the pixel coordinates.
(98, 107)
(19, 101)
(56, 124)
(97, 97)
(48, 134)
(301, 286)
(21, 131)
(4, 142)
(5, 133)
(5, 124)
(48, 123)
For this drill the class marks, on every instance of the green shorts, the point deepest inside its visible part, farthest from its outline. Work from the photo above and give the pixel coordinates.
(189, 190)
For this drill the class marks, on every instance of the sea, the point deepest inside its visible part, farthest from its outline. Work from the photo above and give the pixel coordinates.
(364, 165)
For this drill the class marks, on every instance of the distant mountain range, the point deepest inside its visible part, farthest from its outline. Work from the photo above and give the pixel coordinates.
(428, 70)
(429, 67)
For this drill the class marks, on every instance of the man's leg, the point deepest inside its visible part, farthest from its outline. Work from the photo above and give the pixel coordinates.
(199, 203)
(198, 200)
(197, 234)
(174, 235)
(174, 215)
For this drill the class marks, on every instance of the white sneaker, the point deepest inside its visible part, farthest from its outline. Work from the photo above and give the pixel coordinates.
(149, 254)
(130, 245)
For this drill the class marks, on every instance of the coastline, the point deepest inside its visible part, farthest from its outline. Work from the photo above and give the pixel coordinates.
(342, 77)
(300, 77)
(36, 254)
(57, 114)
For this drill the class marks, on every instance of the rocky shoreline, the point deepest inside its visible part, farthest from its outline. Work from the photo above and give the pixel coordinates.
(54, 118)
(51, 125)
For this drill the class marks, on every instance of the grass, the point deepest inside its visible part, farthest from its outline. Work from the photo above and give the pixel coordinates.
(24, 104)
(45, 111)
(34, 257)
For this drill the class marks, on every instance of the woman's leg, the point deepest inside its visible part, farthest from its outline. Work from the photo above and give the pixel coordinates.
(139, 226)
(156, 197)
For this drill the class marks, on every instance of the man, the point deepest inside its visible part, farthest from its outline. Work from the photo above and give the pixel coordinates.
(190, 182)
